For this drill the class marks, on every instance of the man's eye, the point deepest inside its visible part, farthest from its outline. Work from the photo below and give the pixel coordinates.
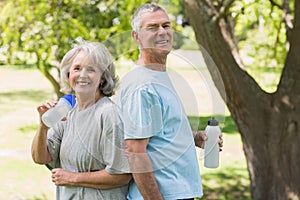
(167, 26)
(152, 28)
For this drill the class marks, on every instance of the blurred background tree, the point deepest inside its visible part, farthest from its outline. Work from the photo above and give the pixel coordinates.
(268, 35)
(40, 32)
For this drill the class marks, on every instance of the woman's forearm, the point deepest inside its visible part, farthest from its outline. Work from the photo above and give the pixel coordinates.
(39, 150)
(99, 179)
(102, 180)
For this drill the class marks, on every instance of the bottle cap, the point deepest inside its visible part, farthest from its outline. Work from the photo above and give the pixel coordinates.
(213, 122)
(70, 98)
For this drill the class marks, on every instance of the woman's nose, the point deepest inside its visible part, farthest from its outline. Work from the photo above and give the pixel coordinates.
(83, 73)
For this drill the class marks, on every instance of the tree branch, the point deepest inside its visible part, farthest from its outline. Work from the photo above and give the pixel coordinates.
(289, 81)
(287, 19)
(215, 38)
(278, 28)
(224, 8)
(273, 3)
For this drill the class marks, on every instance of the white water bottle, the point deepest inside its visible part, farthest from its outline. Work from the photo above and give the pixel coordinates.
(211, 146)
(60, 110)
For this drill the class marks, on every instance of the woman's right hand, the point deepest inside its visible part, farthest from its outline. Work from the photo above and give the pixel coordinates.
(44, 107)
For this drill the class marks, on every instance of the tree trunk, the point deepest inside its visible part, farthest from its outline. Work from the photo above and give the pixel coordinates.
(42, 66)
(268, 123)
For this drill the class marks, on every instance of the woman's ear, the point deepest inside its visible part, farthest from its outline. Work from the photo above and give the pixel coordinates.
(102, 81)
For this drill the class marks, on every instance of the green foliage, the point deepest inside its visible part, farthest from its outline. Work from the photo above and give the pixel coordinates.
(260, 24)
(48, 28)
(41, 32)
(261, 36)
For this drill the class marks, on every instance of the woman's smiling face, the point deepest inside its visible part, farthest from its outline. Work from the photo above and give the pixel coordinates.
(84, 76)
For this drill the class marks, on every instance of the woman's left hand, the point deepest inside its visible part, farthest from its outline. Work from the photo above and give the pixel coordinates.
(62, 177)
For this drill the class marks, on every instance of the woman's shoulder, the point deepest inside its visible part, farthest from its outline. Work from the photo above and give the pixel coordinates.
(107, 107)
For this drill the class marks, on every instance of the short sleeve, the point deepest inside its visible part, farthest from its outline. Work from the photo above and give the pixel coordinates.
(54, 138)
(113, 144)
(142, 114)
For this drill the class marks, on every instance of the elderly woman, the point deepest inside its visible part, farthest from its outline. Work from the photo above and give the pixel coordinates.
(85, 151)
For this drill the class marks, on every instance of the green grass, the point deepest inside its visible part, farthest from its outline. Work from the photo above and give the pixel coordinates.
(10, 101)
(226, 123)
(28, 128)
(231, 179)
(23, 96)
(19, 67)
(22, 179)
(22, 89)
(228, 183)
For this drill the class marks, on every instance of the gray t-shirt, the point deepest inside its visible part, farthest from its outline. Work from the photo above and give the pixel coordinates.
(89, 140)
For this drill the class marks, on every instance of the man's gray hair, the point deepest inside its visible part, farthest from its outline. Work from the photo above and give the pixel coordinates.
(136, 18)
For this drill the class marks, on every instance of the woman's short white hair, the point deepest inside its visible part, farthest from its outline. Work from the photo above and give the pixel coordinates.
(136, 18)
(99, 55)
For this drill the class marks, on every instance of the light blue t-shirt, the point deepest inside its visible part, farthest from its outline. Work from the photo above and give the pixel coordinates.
(150, 108)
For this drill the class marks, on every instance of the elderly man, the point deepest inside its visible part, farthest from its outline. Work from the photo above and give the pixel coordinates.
(159, 141)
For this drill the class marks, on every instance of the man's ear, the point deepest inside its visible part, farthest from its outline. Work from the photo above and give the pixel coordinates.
(135, 36)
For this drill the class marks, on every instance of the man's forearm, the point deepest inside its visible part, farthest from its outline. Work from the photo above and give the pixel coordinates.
(143, 176)
(147, 185)
(142, 170)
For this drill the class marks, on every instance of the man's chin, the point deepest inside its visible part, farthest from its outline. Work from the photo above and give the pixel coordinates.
(158, 52)
(163, 51)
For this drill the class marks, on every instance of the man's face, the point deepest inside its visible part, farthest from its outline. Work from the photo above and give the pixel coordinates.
(156, 35)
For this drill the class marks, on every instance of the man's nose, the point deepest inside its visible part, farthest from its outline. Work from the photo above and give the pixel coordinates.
(161, 30)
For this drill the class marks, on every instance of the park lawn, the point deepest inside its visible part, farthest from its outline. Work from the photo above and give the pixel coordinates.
(22, 90)
(22, 179)
(230, 180)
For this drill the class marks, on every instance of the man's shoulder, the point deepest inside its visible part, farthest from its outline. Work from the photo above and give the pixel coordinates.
(134, 79)
(134, 75)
